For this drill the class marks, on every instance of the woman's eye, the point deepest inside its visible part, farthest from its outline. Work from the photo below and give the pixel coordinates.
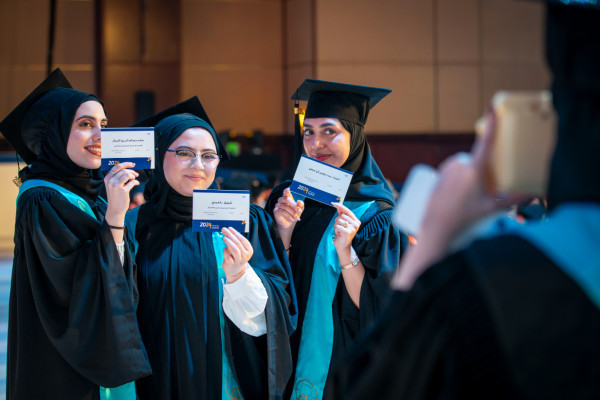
(330, 132)
(307, 132)
(185, 153)
(85, 124)
(209, 156)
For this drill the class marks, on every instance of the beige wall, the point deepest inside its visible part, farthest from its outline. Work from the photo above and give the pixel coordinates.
(232, 55)
(8, 170)
(141, 52)
(443, 58)
(24, 39)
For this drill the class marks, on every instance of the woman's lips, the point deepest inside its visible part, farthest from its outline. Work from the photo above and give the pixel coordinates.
(322, 157)
(194, 178)
(95, 150)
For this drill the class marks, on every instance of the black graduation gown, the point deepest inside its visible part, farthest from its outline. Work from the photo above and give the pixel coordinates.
(179, 312)
(485, 323)
(378, 245)
(72, 320)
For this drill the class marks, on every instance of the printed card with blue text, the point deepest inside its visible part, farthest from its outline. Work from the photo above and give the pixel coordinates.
(216, 209)
(321, 182)
(128, 145)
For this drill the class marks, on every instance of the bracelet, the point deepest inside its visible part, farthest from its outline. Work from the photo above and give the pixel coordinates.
(353, 263)
(239, 273)
(116, 227)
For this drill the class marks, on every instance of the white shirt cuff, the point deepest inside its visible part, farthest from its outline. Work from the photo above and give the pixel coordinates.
(121, 251)
(244, 302)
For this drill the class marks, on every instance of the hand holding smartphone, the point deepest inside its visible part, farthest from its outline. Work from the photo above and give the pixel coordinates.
(518, 161)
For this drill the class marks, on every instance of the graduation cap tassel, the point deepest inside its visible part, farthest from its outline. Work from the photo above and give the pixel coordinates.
(297, 131)
(17, 180)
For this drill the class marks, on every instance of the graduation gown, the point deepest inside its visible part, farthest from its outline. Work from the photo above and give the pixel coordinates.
(179, 311)
(72, 320)
(498, 320)
(378, 245)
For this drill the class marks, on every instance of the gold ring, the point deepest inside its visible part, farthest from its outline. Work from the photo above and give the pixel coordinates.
(345, 224)
(111, 172)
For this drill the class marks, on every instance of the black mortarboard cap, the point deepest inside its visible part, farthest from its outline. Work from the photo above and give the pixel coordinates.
(189, 106)
(339, 100)
(11, 125)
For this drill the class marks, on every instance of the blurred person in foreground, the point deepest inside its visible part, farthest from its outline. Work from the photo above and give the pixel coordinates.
(515, 316)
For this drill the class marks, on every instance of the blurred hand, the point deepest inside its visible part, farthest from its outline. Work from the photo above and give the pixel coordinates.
(236, 255)
(463, 193)
(136, 200)
(287, 211)
(461, 196)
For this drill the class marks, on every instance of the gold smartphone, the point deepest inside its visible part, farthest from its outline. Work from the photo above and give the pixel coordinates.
(525, 139)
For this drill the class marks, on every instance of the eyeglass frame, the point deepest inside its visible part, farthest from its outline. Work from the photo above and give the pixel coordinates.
(196, 155)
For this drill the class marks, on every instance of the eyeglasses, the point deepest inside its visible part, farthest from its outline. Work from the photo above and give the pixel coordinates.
(186, 158)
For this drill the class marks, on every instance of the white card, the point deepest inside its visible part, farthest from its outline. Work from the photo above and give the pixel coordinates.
(414, 197)
(128, 145)
(216, 209)
(321, 182)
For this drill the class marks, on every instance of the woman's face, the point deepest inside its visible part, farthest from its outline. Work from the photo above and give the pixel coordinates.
(326, 140)
(83, 146)
(184, 179)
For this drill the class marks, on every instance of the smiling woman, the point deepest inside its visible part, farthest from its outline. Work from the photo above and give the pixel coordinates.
(182, 172)
(83, 146)
(224, 295)
(326, 140)
(72, 306)
(350, 249)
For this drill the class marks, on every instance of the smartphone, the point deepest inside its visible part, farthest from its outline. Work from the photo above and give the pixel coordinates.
(525, 138)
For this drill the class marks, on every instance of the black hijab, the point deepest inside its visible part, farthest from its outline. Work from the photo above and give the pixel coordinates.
(352, 110)
(166, 201)
(573, 52)
(46, 127)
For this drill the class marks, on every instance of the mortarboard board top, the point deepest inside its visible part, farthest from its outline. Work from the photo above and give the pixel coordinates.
(310, 86)
(190, 106)
(11, 125)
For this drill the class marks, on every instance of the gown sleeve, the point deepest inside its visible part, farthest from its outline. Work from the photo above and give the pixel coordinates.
(244, 303)
(378, 245)
(270, 263)
(82, 295)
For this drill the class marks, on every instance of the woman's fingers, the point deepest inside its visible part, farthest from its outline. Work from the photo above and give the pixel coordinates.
(484, 144)
(242, 240)
(121, 166)
(121, 177)
(342, 209)
(346, 220)
(291, 210)
(346, 216)
(131, 184)
(287, 193)
(227, 257)
(232, 248)
(241, 249)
